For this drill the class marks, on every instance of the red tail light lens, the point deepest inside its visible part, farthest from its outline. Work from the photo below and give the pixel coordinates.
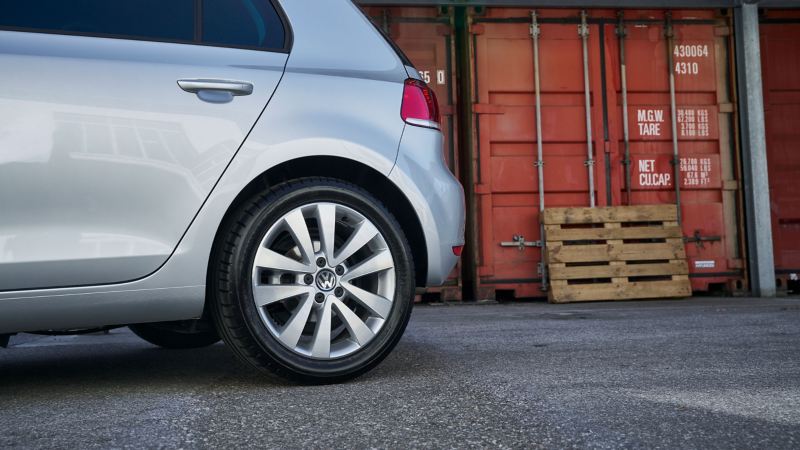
(420, 107)
(458, 249)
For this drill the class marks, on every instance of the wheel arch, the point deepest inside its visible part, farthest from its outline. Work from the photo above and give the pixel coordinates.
(358, 173)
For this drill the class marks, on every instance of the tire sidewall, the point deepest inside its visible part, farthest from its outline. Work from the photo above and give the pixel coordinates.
(391, 331)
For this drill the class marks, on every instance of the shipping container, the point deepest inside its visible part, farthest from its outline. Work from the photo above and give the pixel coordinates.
(425, 35)
(606, 132)
(780, 52)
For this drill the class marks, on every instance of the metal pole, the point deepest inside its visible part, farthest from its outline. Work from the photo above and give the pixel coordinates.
(754, 148)
(676, 169)
(466, 144)
(535, 32)
(623, 70)
(583, 32)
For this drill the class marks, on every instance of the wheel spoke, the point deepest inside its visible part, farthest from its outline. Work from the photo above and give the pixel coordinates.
(359, 331)
(321, 346)
(326, 217)
(294, 328)
(366, 232)
(266, 294)
(376, 263)
(299, 230)
(375, 303)
(269, 259)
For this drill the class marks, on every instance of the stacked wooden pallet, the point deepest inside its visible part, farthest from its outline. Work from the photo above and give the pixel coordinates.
(615, 253)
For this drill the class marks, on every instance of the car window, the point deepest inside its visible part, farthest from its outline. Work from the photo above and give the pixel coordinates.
(170, 20)
(242, 23)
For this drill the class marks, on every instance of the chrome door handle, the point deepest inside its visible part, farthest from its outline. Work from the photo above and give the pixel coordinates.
(234, 87)
(216, 91)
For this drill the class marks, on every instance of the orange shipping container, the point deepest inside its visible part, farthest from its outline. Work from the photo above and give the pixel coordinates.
(780, 52)
(587, 146)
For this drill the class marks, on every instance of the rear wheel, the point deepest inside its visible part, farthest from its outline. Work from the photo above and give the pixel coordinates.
(177, 335)
(312, 281)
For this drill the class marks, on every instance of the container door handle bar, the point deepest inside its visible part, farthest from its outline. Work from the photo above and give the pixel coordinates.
(535, 35)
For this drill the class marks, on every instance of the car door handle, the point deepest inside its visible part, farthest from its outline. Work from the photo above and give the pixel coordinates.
(216, 91)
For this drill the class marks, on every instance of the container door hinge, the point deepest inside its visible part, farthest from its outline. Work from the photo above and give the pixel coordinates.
(534, 27)
(583, 27)
(520, 242)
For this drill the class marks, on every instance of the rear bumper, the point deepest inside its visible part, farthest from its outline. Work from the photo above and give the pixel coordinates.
(436, 195)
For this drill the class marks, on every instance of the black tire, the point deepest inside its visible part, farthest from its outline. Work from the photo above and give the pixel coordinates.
(176, 335)
(230, 286)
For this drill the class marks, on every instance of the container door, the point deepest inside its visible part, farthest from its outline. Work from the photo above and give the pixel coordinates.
(780, 42)
(506, 141)
(707, 178)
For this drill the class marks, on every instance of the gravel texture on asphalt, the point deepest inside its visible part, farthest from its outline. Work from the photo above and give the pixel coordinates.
(705, 372)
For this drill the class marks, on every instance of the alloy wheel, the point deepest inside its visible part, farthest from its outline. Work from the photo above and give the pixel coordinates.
(323, 280)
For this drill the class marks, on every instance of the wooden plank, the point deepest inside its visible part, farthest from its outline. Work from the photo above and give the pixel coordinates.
(563, 272)
(600, 234)
(643, 213)
(559, 253)
(620, 291)
(556, 282)
(614, 264)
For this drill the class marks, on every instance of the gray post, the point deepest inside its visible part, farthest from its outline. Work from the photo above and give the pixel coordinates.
(754, 151)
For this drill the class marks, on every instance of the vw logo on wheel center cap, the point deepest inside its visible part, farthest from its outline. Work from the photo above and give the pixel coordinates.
(326, 280)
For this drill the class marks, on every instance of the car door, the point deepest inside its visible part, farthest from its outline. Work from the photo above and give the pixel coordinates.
(117, 117)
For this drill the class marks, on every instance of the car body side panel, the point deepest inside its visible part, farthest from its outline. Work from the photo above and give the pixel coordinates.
(287, 130)
(104, 159)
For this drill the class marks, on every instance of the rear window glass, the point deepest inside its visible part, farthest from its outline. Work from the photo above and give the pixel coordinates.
(228, 23)
(242, 23)
(142, 19)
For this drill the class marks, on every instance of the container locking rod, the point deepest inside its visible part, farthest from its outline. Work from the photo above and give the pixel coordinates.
(583, 32)
(535, 33)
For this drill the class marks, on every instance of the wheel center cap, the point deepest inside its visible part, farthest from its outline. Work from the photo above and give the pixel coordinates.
(326, 280)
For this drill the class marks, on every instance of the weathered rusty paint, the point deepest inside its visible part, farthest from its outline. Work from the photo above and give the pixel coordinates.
(704, 113)
(506, 179)
(780, 50)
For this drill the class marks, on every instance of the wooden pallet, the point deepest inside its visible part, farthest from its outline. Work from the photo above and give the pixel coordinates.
(615, 253)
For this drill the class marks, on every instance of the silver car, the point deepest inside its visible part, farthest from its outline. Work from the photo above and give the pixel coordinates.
(265, 172)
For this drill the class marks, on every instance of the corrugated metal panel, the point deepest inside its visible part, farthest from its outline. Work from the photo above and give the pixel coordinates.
(506, 180)
(780, 43)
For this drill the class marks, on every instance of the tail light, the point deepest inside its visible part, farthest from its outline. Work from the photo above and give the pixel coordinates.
(420, 107)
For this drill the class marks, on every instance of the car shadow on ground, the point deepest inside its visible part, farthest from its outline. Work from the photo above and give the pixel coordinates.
(123, 365)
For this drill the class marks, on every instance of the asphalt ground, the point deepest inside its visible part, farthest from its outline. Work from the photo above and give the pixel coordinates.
(699, 373)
